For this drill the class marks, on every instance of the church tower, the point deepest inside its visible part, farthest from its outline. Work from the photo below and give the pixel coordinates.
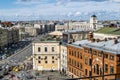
(93, 22)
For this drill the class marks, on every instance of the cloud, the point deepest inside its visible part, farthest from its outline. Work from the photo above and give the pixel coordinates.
(118, 1)
(30, 2)
(72, 9)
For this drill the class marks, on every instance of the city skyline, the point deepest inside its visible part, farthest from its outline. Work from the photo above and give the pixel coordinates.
(59, 9)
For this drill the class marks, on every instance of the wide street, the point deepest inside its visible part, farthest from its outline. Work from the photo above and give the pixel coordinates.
(22, 54)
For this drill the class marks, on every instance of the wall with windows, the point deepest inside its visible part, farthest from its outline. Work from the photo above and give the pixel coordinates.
(81, 59)
(63, 55)
(75, 61)
(46, 56)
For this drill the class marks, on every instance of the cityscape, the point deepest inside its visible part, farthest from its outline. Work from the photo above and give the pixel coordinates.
(60, 40)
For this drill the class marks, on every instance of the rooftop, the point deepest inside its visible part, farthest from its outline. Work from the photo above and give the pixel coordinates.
(107, 46)
(49, 38)
(76, 31)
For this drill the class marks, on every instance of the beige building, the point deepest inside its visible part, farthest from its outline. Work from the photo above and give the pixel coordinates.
(12, 35)
(46, 55)
(3, 37)
(22, 34)
(32, 31)
(74, 35)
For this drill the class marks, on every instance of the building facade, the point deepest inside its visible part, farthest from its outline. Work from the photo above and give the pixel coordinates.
(94, 58)
(63, 58)
(78, 25)
(3, 37)
(46, 55)
(74, 35)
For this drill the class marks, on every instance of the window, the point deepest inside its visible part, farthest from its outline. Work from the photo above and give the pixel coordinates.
(52, 57)
(80, 65)
(53, 49)
(100, 71)
(95, 52)
(86, 60)
(75, 53)
(45, 49)
(45, 57)
(39, 49)
(80, 55)
(90, 62)
(100, 54)
(45, 61)
(94, 68)
(52, 61)
(70, 60)
(39, 57)
(90, 73)
(39, 61)
(90, 51)
(85, 71)
(77, 64)
(111, 57)
(97, 67)
(69, 52)
(106, 68)
(72, 53)
(105, 55)
(80, 74)
(111, 69)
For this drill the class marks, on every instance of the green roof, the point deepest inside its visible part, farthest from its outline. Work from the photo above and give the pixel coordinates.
(109, 30)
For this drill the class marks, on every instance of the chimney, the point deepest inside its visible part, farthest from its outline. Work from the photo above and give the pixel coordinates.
(97, 40)
(92, 40)
(90, 36)
(115, 41)
(105, 39)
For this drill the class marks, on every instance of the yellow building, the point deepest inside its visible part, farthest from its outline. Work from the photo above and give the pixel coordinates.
(46, 55)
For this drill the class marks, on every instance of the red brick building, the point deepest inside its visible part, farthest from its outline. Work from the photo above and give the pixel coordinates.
(94, 58)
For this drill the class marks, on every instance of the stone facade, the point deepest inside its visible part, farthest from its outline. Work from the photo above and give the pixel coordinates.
(46, 55)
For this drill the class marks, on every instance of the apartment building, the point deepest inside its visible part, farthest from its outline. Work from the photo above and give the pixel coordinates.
(3, 37)
(94, 58)
(32, 31)
(46, 55)
(63, 58)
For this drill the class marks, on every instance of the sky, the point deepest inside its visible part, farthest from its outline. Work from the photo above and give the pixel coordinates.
(59, 9)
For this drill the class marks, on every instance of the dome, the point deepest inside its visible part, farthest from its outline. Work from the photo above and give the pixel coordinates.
(93, 16)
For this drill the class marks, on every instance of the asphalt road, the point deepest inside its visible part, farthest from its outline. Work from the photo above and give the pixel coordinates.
(22, 54)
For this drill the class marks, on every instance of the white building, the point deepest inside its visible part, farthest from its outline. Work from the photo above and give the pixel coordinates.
(64, 60)
(92, 25)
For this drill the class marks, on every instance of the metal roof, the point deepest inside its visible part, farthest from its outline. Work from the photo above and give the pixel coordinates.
(107, 46)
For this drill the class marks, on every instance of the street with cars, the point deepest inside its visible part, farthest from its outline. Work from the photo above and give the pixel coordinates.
(18, 65)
